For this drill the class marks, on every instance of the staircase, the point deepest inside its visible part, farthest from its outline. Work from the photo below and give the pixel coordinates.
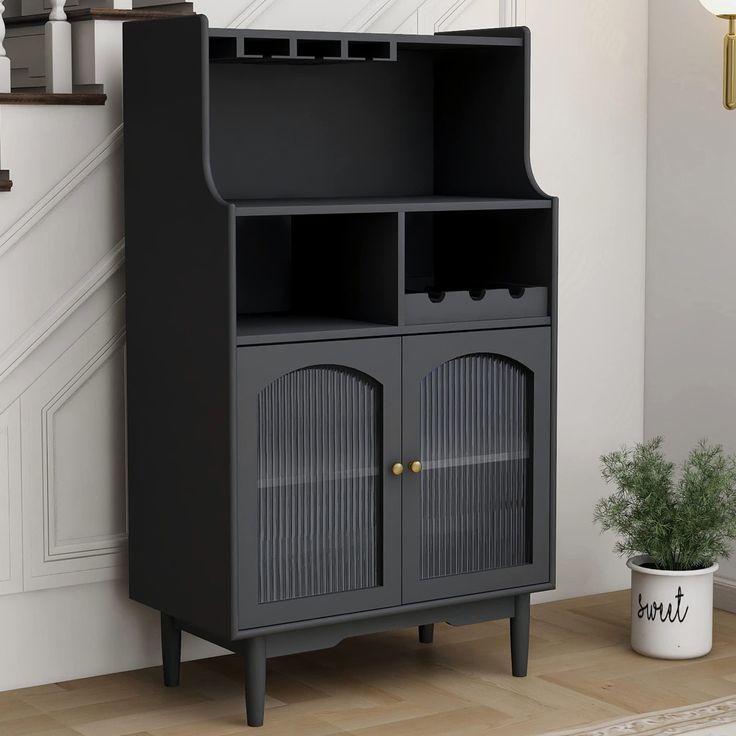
(54, 52)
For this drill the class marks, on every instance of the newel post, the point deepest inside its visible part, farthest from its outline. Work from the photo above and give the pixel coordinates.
(58, 50)
(4, 60)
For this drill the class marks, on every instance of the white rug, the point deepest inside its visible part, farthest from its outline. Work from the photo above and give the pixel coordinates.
(714, 718)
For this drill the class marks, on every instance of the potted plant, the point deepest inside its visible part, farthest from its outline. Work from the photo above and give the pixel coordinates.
(673, 531)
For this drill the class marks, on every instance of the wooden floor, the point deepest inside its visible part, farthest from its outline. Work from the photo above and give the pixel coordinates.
(581, 670)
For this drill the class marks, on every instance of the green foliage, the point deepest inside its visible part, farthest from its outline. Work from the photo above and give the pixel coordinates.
(686, 524)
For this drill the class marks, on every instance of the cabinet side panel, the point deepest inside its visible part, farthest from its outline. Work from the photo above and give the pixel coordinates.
(180, 322)
(554, 292)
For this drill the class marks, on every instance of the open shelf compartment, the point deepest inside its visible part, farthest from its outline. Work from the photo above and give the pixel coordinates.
(315, 272)
(442, 121)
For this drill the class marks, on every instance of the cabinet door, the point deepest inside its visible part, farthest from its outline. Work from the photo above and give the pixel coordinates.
(318, 508)
(477, 416)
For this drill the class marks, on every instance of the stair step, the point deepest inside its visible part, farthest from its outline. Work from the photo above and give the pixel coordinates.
(48, 98)
(79, 14)
(6, 183)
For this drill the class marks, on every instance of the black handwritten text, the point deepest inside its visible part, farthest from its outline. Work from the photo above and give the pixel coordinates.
(654, 611)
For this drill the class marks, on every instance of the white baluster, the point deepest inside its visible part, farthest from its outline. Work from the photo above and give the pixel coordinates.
(4, 60)
(58, 50)
(508, 13)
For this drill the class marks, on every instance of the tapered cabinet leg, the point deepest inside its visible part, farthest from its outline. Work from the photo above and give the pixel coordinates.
(520, 636)
(426, 633)
(170, 650)
(255, 680)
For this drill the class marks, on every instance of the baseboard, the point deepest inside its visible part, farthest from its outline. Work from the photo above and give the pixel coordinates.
(94, 630)
(724, 594)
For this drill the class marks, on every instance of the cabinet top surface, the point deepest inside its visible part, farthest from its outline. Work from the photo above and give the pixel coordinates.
(403, 39)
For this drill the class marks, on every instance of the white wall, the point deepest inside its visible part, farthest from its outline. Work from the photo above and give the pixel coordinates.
(589, 108)
(64, 633)
(589, 136)
(690, 387)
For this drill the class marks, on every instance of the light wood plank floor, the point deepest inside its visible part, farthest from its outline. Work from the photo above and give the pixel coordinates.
(581, 670)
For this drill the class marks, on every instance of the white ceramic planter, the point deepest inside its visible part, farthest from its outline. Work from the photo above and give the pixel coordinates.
(671, 611)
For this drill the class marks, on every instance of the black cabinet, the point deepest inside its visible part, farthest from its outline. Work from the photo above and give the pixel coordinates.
(341, 316)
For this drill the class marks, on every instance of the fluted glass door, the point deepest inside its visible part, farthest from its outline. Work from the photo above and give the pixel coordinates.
(476, 416)
(319, 484)
(318, 507)
(475, 450)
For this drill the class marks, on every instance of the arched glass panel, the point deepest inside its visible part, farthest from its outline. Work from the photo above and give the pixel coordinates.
(476, 477)
(319, 483)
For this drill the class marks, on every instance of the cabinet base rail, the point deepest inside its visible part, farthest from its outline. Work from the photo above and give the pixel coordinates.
(257, 649)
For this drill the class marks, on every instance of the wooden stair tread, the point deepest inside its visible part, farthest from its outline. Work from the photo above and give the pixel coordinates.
(47, 98)
(79, 14)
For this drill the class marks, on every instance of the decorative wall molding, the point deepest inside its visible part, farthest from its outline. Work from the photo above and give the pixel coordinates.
(94, 542)
(72, 300)
(61, 189)
(452, 12)
(724, 594)
(367, 15)
(252, 10)
(65, 332)
(512, 12)
(11, 553)
(61, 380)
(73, 461)
(427, 14)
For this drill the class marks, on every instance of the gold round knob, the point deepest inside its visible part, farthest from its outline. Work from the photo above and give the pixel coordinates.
(397, 468)
(415, 467)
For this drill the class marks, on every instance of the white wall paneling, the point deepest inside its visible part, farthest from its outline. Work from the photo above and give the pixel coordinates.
(83, 460)
(18, 351)
(61, 253)
(384, 16)
(61, 326)
(74, 462)
(11, 580)
(512, 12)
(91, 219)
(34, 212)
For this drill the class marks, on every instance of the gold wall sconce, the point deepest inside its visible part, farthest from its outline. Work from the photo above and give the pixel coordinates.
(727, 9)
